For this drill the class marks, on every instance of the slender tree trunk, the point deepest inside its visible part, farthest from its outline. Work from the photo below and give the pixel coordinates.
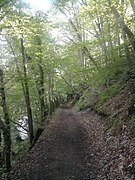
(98, 27)
(126, 48)
(119, 45)
(110, 48)
(50, 100)
(6, 128)
(132, 2)
(84, 48)
(41, 89)
(103, 41)
(27, 94)
(1, 159)
(123, 26)
(17, 66)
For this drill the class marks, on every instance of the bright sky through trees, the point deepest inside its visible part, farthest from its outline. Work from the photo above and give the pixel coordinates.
(39, 4)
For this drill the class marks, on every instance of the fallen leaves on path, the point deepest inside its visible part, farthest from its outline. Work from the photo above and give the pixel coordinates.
(75, 146)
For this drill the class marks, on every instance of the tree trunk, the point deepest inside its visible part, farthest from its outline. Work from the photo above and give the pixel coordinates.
(27, 94)
(17, 66)
(79, 36)
(132, 2)
(50, 95)
(119, 45)
(126, 48)
(1, 157)
(6, 128)
(123, 26)
(99, 31)
(41, 89)
(110, 47)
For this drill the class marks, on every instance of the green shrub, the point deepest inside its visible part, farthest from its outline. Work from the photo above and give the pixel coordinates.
(79, 104)
(109, 92)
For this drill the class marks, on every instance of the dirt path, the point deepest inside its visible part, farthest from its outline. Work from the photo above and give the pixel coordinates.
(60, 153)
(75, 146)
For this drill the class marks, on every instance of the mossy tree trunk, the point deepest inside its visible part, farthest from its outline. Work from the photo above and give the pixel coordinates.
(1, 158)
(41, 81)
(5, 126)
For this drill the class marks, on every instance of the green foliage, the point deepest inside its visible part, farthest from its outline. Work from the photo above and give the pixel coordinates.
(109, 92)
(19, 150)
(80, 104)
(86, 100)
(64, 53)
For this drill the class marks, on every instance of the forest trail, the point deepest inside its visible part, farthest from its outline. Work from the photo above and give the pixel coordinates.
(61, 153)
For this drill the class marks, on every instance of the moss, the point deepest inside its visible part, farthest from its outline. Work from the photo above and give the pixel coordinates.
(131, 124)
(116, 126)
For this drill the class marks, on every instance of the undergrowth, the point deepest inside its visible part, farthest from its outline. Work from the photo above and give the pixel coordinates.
(108, 84)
